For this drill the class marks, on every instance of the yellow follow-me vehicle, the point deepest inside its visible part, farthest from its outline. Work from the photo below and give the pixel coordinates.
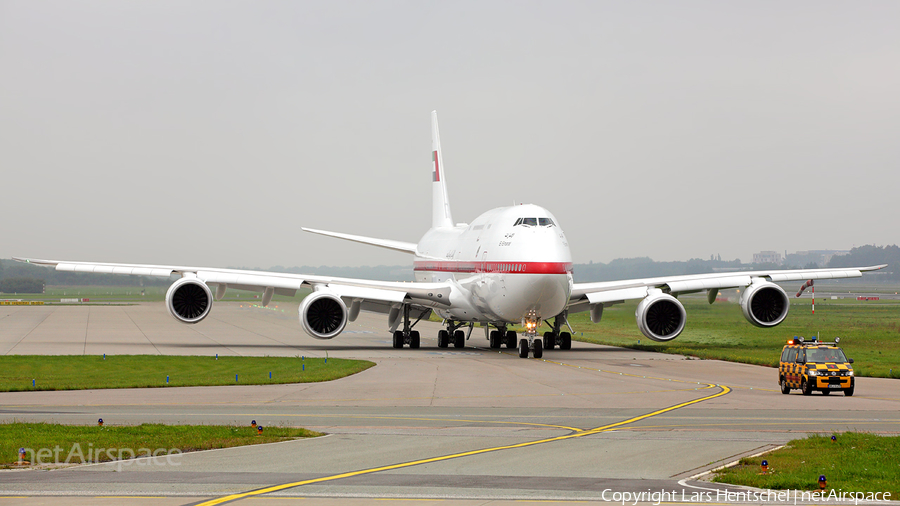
(815, 365)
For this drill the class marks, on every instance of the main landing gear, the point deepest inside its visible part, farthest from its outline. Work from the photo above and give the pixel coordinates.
(452, 335)
(501, 336)
(555, 337)
(408, 336)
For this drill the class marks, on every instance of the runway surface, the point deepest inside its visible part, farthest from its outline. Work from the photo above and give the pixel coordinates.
(467, 426)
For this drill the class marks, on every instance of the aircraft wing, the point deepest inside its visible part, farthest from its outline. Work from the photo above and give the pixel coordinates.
(363, 290)
(405, 247)
(611, 292)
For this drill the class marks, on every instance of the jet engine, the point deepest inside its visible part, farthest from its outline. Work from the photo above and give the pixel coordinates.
(765, 304)
(660, 317)
(323, 315)
(189, 300)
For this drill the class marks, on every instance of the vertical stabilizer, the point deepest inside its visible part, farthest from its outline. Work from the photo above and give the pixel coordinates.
(440, 214)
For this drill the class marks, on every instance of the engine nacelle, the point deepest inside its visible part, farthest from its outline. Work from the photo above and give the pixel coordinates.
(660, 317)
(323, 315)
(765, 304)
(189, 300)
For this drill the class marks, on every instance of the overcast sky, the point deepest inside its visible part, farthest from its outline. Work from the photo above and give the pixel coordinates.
(207, 133)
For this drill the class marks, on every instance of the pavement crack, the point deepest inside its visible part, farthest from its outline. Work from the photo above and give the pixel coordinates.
(38, 324)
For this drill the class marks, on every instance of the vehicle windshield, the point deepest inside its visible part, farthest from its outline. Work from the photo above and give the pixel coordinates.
(824, 355)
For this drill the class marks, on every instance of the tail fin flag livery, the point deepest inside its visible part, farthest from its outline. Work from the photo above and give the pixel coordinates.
(510, 266)
(440, 215)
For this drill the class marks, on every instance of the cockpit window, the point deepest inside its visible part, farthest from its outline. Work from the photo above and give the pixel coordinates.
(534, 222)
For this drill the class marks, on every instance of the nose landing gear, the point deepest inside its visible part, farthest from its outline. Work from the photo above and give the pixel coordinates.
(530, 340)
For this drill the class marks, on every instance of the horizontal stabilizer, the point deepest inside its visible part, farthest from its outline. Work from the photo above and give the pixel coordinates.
(406, 247)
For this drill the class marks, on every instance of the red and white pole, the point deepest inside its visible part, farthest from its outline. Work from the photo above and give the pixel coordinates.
(809, 284)
(813, 288)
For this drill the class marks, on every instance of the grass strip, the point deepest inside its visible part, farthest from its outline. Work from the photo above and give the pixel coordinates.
(853, 462)
(79, 372)
(869, 332)
(79, 444)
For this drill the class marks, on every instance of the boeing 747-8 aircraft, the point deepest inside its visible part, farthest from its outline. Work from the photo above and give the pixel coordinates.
(510, 266)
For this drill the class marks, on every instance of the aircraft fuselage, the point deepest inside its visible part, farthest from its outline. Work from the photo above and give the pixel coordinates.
(508, 264)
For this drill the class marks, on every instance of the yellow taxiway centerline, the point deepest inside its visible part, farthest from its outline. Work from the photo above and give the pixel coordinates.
(597, 430)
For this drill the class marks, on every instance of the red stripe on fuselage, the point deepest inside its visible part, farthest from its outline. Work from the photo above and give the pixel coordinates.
(502, 267)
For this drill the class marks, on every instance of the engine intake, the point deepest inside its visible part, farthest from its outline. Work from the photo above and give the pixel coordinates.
(189, 300)
(660, 317)
(765, 304)
(323, 315)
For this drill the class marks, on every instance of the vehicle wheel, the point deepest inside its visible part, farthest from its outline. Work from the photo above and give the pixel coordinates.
(443, 339)
(538, 349)
(565, 341)
(805, 388)
(785, 389)
(848, 392)
(523, 348)
(512, 339)
(459, 339)
(826, 392)
(398, 339)
(549, 341)
(494, 339)
(414, 339)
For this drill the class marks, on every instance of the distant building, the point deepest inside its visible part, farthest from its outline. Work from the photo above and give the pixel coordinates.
(767, 257)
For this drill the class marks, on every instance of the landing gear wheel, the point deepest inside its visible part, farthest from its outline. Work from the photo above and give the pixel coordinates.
(459, 339)
(565, 341)
(848, 392)
(511, 339)
(414, 339)
(549, 340)
(443, 339)
(785, 389)
(523, 348)
(538, 349)
(805, 388)
(398, 339)
(494, 339)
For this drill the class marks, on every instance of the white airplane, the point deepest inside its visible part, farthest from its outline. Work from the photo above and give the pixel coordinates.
(510, 266)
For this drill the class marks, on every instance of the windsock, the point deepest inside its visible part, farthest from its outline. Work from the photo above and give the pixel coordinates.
(806, 285)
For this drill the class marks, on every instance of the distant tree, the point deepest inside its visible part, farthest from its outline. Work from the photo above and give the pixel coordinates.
(870, 254)
(22, 285)
(697, 266)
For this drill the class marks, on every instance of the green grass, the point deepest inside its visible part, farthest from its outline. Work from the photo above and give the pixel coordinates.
(78, 372)
(869, 332)
(91, 439)
(855, 462)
